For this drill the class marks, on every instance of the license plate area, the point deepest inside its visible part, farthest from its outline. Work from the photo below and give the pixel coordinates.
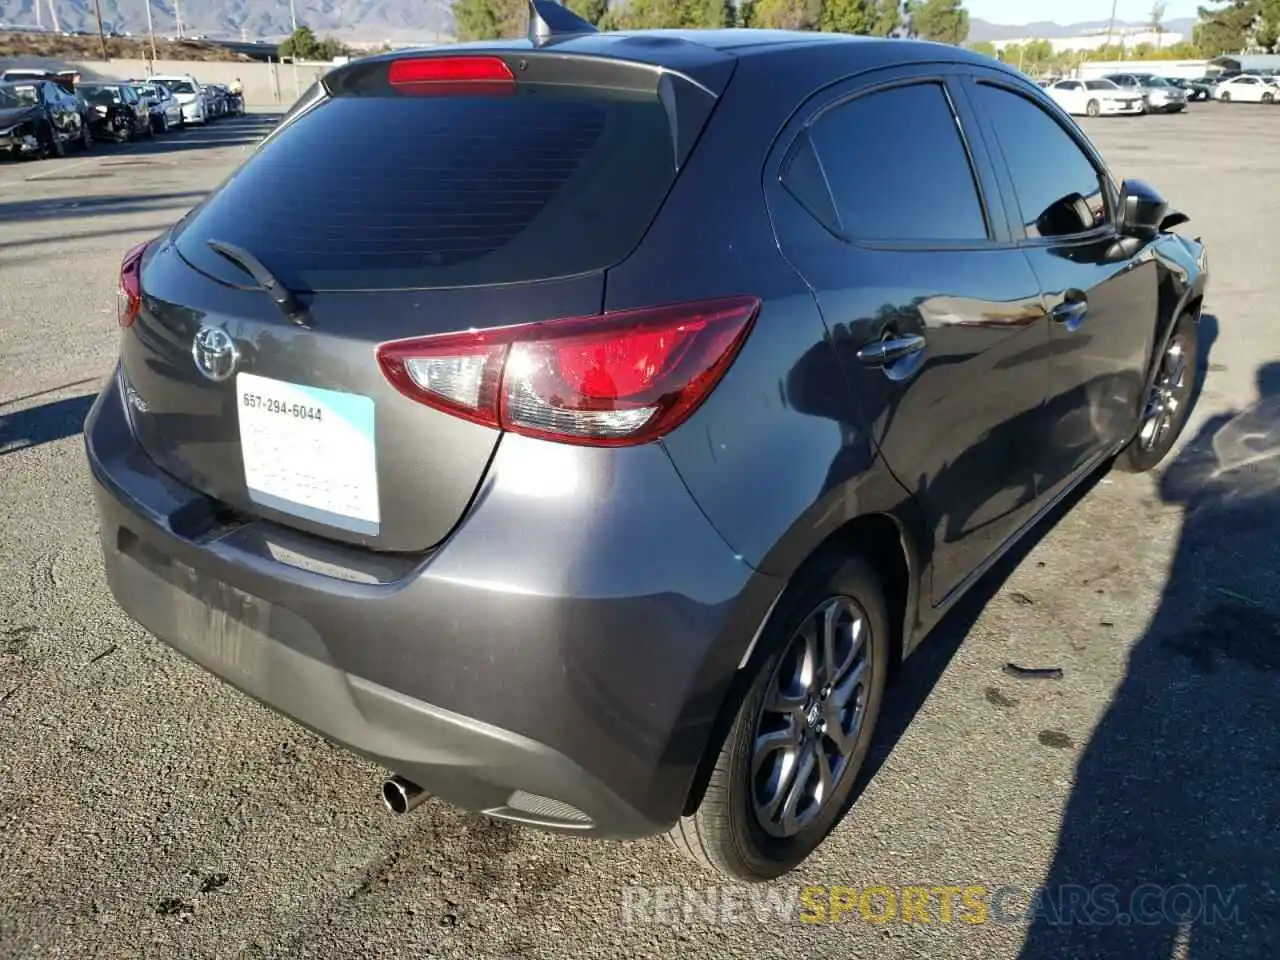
(309, 452)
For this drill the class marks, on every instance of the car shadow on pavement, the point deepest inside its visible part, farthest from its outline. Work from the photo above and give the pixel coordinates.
(227, 132)
(51, 421)
(1170, 842)
(105, 205)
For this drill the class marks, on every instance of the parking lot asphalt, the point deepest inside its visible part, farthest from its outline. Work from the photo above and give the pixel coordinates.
(148, 810)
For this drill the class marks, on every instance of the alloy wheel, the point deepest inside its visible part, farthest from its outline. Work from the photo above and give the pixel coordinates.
(1169, 396)
(813, 712)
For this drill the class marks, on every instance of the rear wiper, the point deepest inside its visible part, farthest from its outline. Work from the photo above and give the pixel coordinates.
(283, 297)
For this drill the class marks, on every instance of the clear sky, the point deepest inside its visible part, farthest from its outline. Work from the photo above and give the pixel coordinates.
(1073, 11)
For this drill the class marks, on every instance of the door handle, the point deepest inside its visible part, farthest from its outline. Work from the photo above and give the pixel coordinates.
(882, 353)
(1071, 313)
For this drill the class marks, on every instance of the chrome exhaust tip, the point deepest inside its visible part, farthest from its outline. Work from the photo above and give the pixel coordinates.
(401, 795)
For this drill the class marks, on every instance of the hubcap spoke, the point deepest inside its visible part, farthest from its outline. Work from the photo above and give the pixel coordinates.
(780, 753)
(791, 809)
(841, 694)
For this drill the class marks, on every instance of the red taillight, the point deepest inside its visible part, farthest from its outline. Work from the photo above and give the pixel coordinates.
(446, 74)
(616, 379)
(129, 292)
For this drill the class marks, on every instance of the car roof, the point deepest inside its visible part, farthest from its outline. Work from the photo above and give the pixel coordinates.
(737, 42)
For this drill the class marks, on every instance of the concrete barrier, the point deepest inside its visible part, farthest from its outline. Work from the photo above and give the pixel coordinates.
(265, 84)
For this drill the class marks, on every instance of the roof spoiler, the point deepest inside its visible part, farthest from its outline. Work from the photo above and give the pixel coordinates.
(549, 22)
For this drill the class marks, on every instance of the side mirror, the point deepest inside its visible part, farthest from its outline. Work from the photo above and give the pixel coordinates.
(1142, 210)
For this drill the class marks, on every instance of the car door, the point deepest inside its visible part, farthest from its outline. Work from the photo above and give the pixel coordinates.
(1102, 294)
(935, 316)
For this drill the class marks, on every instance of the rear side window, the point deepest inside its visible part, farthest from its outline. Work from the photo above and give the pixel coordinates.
(897, 167)
(393, 192)
(1058, 188)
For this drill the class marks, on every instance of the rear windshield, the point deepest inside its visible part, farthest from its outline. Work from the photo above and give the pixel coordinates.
(11, 97)
(101, 94)
(180, 86)
(398, 192)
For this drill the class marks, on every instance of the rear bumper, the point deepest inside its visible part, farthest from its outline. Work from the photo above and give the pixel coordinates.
(562, 671)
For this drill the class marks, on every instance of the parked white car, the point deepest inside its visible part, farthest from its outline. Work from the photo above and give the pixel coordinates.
(1095, 98)
(1247, 89)
(189, 93)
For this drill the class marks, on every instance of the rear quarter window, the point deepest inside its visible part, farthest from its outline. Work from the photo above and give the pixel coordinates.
(395, 192)
(920, 190)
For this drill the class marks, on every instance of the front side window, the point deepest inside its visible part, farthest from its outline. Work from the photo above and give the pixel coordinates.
(898, 169)
(1058, 188)
(15, 96)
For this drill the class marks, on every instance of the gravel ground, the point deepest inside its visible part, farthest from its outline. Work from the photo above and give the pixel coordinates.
(147, 810)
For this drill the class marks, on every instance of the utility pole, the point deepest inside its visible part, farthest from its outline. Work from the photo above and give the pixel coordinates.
(293, 15)
(177, 14)
(53, 15)
(1111, 24)
(151, 31)
(39, 15)
(102, 37)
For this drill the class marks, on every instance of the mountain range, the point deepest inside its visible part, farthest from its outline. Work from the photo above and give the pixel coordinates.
(1047, 30)
(394, 20)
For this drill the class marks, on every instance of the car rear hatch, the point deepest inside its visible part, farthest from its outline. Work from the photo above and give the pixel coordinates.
(477, 190)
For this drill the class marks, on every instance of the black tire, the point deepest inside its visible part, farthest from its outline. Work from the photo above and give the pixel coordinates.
(1093, 108)
(726, 833)
(86, 138)
(1152, 442)
(1268, 98)
(1225, 96)
(54, 147)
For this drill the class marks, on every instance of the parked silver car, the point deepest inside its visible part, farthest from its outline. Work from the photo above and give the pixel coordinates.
(1160, 95)
(165, 109)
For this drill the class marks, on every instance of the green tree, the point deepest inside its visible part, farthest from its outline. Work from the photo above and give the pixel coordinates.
(985, 47)
(669, 14)
(944, 20)
(787, 14)
(303, 44)
(888, 17)
(746, 14)
(1229, 28)
(1155, 20)
(490, 19)
(848, 16)
(592, 11)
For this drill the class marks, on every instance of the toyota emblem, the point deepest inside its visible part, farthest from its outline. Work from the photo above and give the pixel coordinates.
(215, 353)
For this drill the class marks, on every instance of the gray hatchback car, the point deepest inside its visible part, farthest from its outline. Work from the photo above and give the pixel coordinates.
(585, 428)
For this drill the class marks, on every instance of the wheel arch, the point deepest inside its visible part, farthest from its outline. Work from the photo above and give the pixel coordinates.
(887, 542)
